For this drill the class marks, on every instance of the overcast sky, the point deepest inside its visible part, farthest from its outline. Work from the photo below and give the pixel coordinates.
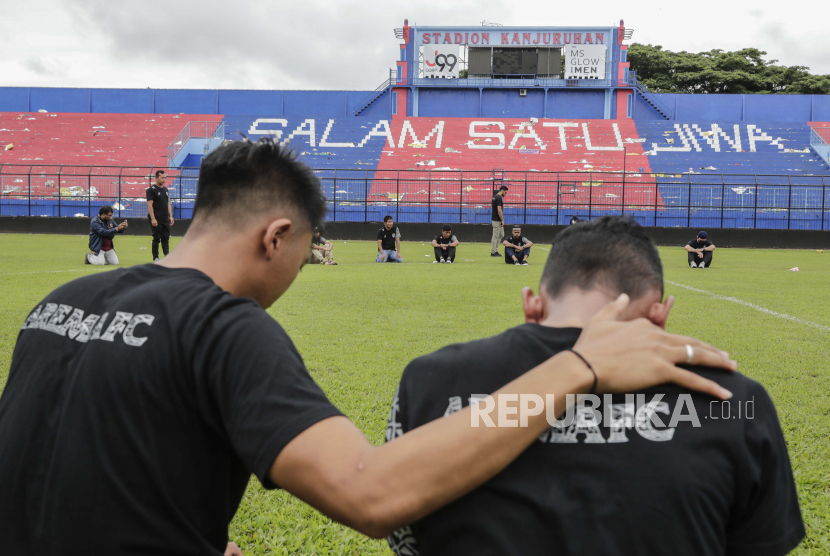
(328, 44)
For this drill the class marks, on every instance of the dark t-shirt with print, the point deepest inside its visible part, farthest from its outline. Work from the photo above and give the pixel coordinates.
(498, 201)
(319, 241)
(694, 243)
(441, 240)
(644, 485)
(517, 241)
(161, 199)
(387, 237)
(133, 418)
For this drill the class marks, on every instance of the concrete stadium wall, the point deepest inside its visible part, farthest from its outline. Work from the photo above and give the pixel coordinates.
(757, 239)
(176, 101)
(455, 102)
(739, 108)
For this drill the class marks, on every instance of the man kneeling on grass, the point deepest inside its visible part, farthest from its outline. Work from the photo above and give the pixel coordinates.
(102, 229)
(444, 245)
(664, 471)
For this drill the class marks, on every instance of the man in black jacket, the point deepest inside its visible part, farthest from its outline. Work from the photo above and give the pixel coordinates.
(102, 229)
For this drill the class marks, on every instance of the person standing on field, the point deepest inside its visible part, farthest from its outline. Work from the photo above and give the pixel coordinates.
(498, 220)
(160, 213)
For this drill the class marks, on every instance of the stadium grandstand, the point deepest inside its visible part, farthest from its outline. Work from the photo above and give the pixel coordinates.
(554, 113)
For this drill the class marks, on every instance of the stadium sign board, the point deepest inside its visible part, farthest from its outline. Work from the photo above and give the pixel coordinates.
(585, 62)
(440, 60)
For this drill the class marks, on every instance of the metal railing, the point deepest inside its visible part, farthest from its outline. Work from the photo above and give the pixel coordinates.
(194, 130)
(649, 95)
(455, 196)
(52, 190)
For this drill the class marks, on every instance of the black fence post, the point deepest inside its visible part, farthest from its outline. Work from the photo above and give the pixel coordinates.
(524, 218)
(722, 198)
(398, 197)
(689, 211)
(60, 202)
(590, 194)
(429, 196)
(755, 209)
(623, 188)
(823, 195)
(461, 198)
(558, 185)
(656, 190)
(89, 195)
(789, 201)
(30, 192)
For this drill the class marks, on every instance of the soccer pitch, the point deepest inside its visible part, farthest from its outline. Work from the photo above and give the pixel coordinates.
(359, 323)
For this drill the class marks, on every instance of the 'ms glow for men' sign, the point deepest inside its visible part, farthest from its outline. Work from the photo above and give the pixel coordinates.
(585, 62)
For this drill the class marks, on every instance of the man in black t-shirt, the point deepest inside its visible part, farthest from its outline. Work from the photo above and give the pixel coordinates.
(517, 248)
(444, 244)
(320, 250)
(700, 251)
(497, 218)
(140, 401)
(389, 242)
(656, 471)
(160, 214)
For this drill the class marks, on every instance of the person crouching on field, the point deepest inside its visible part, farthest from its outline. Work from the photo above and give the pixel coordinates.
(389, 242)
(320, 250)
(444, 245)
(655, 471)
(102, 229)
(517, 248)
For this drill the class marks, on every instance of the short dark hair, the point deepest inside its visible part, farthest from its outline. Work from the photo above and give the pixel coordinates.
(160, 172)
(613, 251)
(446, 228)
(106, 209)
(387, 218)
(246, 176)
(503, 188)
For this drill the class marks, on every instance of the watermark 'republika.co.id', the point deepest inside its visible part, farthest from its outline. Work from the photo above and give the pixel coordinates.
(653, 419)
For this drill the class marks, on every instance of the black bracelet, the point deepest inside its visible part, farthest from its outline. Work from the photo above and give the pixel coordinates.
(594, 387)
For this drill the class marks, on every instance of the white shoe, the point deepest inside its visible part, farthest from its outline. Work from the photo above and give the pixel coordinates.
(517, 263)
(692, 265)
(449, 261)
(525, 264)
(156, 260)
(434, 262)
(442, 261)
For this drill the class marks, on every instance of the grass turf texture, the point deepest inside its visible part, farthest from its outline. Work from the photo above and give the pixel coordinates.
(359, 323)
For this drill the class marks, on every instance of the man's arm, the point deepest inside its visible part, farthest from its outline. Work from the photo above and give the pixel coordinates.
(501, 215)
(689, 248)
(398, 245)
(99, 228)
(380, 250)
(435, 243)
(710, 248)
(528, 244)
(333, 467)
(170, 210)
(455, 243)
(150, 212)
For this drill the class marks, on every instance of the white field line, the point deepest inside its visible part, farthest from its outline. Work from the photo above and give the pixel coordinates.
(50, 271)
(753, 306)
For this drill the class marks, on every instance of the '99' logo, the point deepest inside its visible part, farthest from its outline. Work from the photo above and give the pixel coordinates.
(445, 62)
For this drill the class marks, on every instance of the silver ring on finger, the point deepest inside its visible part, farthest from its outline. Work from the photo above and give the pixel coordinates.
(690, 354)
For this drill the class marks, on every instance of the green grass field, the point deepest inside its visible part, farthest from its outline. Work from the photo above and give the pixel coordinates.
(416, 307)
